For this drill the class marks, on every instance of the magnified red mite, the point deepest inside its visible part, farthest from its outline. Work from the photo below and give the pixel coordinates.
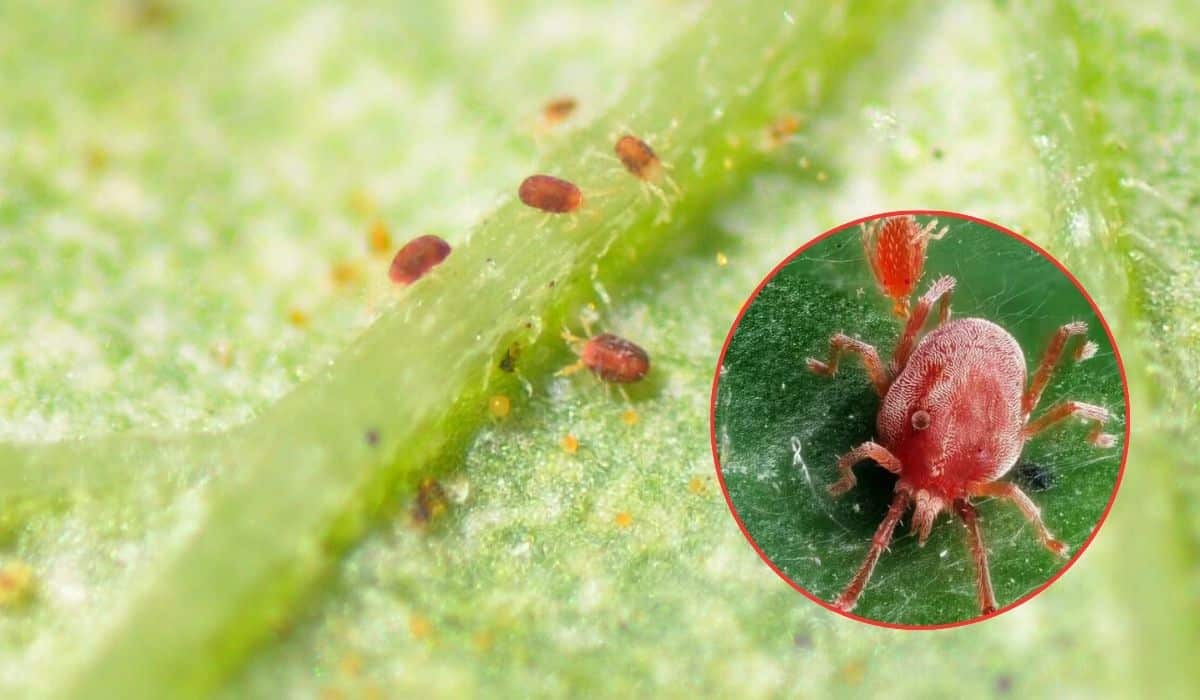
(417, 257)
(956, 410)
(550, 194)
(638, 158)
(895, 248)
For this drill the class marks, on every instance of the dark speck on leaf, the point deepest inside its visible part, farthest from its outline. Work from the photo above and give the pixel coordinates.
(1034, 477)
(802, 641)
(372, 437)
(938, 153)
(508, 363)
(1004, 684)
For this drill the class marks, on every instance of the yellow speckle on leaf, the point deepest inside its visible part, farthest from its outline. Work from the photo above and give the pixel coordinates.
(420, 627)
(851, 673)
(222, 352)
(728, 164)
(804, 163)
(297, 317)
(343, 273)
(361, 202)
(482, 640)
(822, 176)
(630, 417)
(722, 260)
(379, 241)
(350, 665)
(16, 583)
(570, 444)
(499, 405)
(623, 519)
(696, 485)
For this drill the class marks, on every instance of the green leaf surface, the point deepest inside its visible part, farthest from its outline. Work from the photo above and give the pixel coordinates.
(173, 185)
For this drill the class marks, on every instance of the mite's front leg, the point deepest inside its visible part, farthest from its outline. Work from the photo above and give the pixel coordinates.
(841, 343)
(938, 293)
(1032, 513)
(867, 450)
(1096, 415)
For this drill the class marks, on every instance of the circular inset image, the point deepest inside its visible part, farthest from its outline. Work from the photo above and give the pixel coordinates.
(919, 417)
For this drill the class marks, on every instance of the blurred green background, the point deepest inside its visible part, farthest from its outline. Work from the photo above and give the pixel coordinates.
(767, 401)
(184, 185)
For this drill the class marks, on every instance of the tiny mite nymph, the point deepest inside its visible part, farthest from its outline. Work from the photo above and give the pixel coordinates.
(638, 158)
(557, 110)
(417, 257)
(611, 358)
(895, 247)
(550, 194)
(955, 415)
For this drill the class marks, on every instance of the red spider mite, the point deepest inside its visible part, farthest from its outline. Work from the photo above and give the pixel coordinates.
(550, 194)
(638, 158)
(417, 257)
(954, 418)
(557, 110)
(895, 248)
(609, 357)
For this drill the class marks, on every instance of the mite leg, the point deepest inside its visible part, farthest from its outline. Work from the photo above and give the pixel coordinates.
(867, 450)
(932, 232)
(939, 292)
(883, 537)
(987, 596)
(840, 343)
(1041, 376)
(1096, 415)
(1032, 513)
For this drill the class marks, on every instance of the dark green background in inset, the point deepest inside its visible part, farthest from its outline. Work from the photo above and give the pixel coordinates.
(767, 402)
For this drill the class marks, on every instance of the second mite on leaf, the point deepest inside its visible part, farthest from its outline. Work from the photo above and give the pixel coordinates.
(417, 257)
(550, 194)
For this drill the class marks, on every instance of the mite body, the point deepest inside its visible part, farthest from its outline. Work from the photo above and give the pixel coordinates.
(955, 416)
(610, 357)
(558, 110)
(615, 359)
(638, 158)
(550, 194)
(417, 257)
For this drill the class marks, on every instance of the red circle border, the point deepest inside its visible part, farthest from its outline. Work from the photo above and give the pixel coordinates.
(712, 408)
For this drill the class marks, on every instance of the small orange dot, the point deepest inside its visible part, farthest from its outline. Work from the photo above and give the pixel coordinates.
(499, 405)
(222, 352)
(623, 519)
(570, 444)
(696, 485)
(361, 202)
(350, 665)
(379, 241)
(419, 627)
(298, 318)
(16, 583)
(343, 273)
(630, 417)
(482, 640)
